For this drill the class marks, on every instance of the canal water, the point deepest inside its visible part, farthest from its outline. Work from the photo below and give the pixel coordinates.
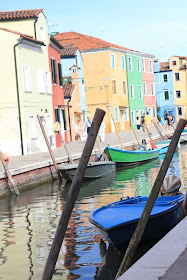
(28, 224)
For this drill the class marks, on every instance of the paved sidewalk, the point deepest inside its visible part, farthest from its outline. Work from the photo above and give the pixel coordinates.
(75, 148)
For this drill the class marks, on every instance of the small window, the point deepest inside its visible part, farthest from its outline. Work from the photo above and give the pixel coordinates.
(116, 114)
(144, 89)
(126, 114)
(113, 61)
(54, 71)
(178, 94)
(146, 109)
(166, 95)
(177, 77)
(114, 90)
(32, 124)
(174, 62)
(27, 77)
(138, 65)
(165, 78)
(124, 87)
(49, 125)
(152, 89)
(179, 111)
(151, 66)
(48, 82)
(41, 80)
(143, 64)
(42, 34)
(122, 62)
(132, 117)
(140, 92)
(130, 63)
(154, 112)
(132, 91)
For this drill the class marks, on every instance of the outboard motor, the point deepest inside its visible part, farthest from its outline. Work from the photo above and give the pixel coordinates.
(99, 157)
(171, 185)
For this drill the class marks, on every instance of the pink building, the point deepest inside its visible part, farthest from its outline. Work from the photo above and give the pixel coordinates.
(149, 86)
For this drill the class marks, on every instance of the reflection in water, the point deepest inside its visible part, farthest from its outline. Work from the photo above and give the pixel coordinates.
(28, 224)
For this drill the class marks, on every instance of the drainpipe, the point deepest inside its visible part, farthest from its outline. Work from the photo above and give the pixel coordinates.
(35, 37)
(69, 119)
(18, 99)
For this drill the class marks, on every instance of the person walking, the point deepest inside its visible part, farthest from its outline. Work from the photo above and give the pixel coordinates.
(101, 133)
(143, 122)
(166, 120)
(148, 121)
(88, 124)
(138, 123)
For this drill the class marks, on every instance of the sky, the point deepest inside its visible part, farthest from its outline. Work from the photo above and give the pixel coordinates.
(155, 27)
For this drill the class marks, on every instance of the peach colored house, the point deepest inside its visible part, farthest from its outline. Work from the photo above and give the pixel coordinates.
(149, 86)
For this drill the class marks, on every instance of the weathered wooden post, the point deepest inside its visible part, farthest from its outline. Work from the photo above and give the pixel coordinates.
(72, 195)
(49, 147)
(155, 125)
(66, 148)
(135, 134)
(126, 262)
(148, 132)
(117, 132)
(162, 129)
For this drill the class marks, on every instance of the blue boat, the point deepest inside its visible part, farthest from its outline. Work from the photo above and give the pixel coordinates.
(163, 147)
(117, 221)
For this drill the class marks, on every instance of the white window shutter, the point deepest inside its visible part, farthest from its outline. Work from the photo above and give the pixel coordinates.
(48, 82)
(41, 80)
(49, 124)
(27, 79)
(32, 124)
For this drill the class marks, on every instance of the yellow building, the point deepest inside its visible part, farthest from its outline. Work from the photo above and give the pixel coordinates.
(104, 66)
(178, 66)
(25, 88)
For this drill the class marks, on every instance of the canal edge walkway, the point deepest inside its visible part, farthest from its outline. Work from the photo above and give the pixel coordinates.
(164, 261)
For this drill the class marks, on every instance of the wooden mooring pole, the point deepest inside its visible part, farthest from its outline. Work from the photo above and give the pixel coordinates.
(72, 195)
(162, 128)
(155, 125)
(127, 260)
(49, 147)
(117, 131)
(9, 175)
(65, 147)
(135, 134)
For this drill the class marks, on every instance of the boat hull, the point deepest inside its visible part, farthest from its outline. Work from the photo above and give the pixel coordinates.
(94, 170)
(158, 225)
(130, 158)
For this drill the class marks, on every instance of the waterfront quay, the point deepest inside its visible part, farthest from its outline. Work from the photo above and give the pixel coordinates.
(38, 167)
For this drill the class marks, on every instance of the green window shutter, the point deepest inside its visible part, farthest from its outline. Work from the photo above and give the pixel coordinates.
(54, 72)
(60, 74)
(166, 95)
(64, 118)
(57, 115)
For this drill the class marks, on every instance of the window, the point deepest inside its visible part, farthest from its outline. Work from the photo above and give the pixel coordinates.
(130, 63)
(177, 77)
(32, 124)
(165, 78)
(152, 89)
(144, 88)
(60, 74)
(154, 112)
(151, 66)
(116, 114)
(113, 61)
(54, 72)
(132, 117)
(49, 125)
(166, 94)
(114, 87)
(59, 118)
(124, 87)
(178, 94)
(42, 34)
(27, 77)
(143, 64)
(122, 62)
(140, 92)
(132, 91)
(139, 66)
(180, 112)
(174, 62)
(41, 80)
(146, 109)
(48, 82)
(126, 114)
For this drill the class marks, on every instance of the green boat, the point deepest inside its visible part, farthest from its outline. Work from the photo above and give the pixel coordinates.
(131, 158)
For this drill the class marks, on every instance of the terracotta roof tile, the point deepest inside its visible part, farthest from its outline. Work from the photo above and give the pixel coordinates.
(68, 89)
(11, 15)
(28, 37)
(69, 52)
(164, 66)
(84, 42)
